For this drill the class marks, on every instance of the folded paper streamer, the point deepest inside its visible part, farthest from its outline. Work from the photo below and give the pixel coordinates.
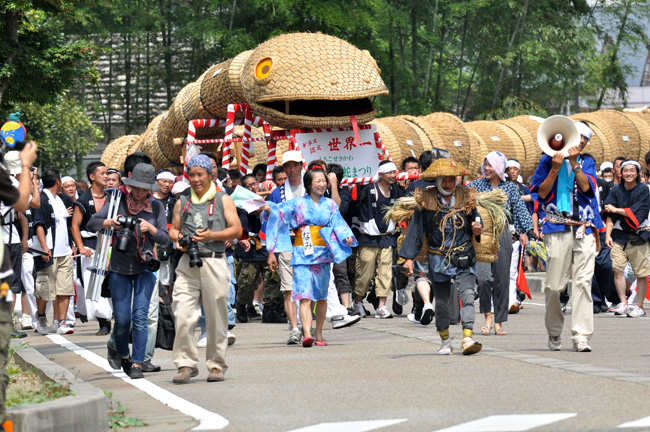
(247, 200)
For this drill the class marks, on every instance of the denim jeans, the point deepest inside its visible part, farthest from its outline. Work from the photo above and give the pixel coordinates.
(131, 295)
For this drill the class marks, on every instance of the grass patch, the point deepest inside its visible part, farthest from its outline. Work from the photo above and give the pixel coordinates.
(117, 417)
(25, 388)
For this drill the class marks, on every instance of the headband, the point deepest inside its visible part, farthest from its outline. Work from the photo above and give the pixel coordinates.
(315, 167)
(513, 163)
(166, 175)
(66, 179)
(584, 130)
(630, 162)
(112, 171)
(386, 168)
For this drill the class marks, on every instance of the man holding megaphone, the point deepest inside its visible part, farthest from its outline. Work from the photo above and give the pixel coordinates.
(565, 185)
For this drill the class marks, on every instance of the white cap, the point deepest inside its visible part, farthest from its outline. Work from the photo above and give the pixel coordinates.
(291, 156)
(179, 187)
(584, 130)
(13, 163)
(606, 165)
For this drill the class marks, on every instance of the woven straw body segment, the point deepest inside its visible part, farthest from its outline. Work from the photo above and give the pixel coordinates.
(531, 149)
(117, 151)
(408, 140)
(311, 67)
(626, 136)
(452, 132)
(498, 137)
(217, 90)
(477, 149)
(390, 142)
(603, 137)
(644, 135)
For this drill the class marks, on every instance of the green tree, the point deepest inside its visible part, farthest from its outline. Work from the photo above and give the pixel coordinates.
(62, 131)
(37, 63)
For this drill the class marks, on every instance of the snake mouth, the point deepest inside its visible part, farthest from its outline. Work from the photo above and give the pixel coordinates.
(319, 108)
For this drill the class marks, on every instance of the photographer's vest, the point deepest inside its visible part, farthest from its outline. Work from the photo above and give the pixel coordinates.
(208, 215)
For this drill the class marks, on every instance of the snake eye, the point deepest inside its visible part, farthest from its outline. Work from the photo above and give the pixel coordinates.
(263, 68)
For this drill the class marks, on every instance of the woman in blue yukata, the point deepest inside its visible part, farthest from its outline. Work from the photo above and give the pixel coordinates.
(322, 237)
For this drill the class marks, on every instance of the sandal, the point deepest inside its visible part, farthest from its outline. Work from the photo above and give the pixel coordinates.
(307, 342)
(500, 332)
(487, 329)
(320, 342)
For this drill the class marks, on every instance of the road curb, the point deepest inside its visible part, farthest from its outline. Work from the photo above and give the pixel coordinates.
(85, 407)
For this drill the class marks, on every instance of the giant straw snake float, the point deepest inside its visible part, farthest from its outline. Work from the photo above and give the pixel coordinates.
(312, 80)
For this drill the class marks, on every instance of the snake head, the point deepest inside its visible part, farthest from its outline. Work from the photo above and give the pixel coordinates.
(311, 80)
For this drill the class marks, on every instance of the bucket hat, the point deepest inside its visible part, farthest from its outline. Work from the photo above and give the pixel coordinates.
(143, 176)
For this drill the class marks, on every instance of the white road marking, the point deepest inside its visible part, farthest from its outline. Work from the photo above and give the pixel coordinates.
(353, 426)
(644, 422)
(506, 423)
(208, 420)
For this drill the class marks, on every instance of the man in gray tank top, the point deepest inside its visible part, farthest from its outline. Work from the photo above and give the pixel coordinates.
(209, 218)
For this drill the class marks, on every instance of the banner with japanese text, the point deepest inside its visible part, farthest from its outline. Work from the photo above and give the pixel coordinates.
(358, 159)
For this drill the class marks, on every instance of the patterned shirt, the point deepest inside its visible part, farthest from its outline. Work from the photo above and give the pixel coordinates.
(518, 211)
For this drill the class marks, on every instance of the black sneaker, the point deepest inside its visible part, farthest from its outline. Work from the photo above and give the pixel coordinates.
(149, 367)
(114, 360)
(136, 372)
(251, 313)
(15, 334)
(241, 314)
(126, 366)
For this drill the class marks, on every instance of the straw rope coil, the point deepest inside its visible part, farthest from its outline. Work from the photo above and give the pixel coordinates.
(435, 141)
(390, 141)
(407, 138)
(478, 149)
(627, 139)
(531, 149)
(498, 137)
(644, 135)
(117, 151)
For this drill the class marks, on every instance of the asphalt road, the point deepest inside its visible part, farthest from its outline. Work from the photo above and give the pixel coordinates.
(383, 370)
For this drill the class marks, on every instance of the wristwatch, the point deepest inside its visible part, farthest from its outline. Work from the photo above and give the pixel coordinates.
(577, 169)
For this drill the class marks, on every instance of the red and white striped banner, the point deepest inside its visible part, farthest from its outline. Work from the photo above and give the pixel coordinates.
(367, 180)
(380, 145)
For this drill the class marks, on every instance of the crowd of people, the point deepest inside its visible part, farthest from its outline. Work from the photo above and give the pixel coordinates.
(314, 250)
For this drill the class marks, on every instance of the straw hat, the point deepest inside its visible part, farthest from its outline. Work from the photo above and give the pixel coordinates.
(443, 168)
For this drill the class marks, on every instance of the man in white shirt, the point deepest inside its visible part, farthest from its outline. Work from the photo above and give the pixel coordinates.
(54, 270)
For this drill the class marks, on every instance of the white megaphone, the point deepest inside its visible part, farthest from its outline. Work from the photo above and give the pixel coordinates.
(558, 133)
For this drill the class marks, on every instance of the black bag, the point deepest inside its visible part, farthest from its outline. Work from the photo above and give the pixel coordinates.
(636, 240)
(464, 256)
(166, 327)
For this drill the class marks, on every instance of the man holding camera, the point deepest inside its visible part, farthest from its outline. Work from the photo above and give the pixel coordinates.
(202, 224)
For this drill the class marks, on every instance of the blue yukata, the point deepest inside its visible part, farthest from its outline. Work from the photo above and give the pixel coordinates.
(311, 272)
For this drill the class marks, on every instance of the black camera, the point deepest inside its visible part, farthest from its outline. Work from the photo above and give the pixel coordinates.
(192, 251)
(124, 235)
(150, 262)
(165, 251)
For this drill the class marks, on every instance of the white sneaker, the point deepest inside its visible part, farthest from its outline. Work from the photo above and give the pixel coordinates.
(54, 327)
(635, 312)
(26, 322)
(203, 340)
(445, 348)
(621, 309)
(358, 309)
(581, 346)
(64, 329)
(342, 321)
(382, 313)
(42, 326)
(411, 317)
(231, 339)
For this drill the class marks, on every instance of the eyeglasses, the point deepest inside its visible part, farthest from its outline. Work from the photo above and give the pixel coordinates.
(251, 185)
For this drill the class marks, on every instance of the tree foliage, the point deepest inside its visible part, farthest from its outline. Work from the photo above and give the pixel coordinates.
(63, 132)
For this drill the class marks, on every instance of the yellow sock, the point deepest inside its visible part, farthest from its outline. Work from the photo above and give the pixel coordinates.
(444, 334)
(468, 333)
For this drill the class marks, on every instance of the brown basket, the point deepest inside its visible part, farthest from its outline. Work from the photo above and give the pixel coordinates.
(627, 139)
(476, 147)
(531, 149)
(310, 66)
(603, 137)
(498, 137)
(453, 134)
(217, 91)
(488, 248)
(644, 135)
(390, 142)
